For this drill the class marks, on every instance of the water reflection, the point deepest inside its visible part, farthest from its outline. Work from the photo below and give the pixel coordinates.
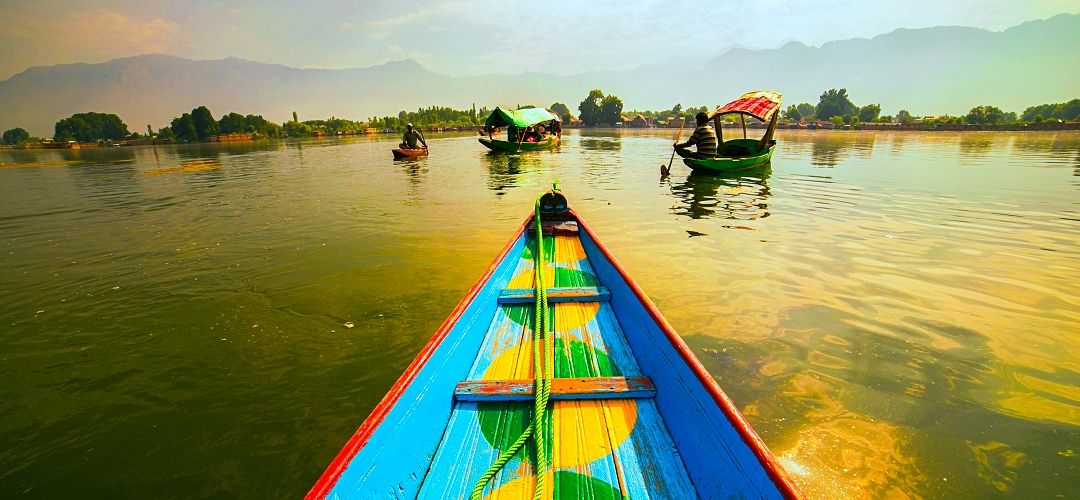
(976, 144)
(828, 150)
(99, 155)
(414, 169)
(505, 169)
(1058, 145)
(239, 148)
(736, 197)
(604, 141)
(861, 444)
(106, 177)
(890, 332)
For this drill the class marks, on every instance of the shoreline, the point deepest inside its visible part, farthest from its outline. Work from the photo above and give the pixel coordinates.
(1073, 127)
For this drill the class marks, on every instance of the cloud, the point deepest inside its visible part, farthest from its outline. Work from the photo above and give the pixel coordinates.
(343, 27)
(51, 37)
(393, 22)
(100, 30)
(381, 28)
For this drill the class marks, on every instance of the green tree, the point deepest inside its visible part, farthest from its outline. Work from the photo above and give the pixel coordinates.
(428, 118)
(296, 129)
(589, 109)
(837, 121)
(806, 110)
(166, 134)
(90, 127)
(792, 113)
(183, 128)
(232, 123)
(677, 110)
(258, 125)
(834, 102)
(611, 110)
(869, 113)
(855, 121)
(205, 124)
(562, 111)
(294, 117)
(16, 135)
(904, 117)
(1068, 111)
(985, 115)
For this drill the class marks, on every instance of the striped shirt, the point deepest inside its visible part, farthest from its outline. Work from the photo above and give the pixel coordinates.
(705, 139)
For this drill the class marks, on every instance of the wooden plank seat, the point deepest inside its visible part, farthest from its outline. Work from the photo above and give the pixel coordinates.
(561, 389)
(556, 227)
(556, 294)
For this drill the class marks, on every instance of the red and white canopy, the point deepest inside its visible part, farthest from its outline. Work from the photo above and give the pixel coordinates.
(760, 104)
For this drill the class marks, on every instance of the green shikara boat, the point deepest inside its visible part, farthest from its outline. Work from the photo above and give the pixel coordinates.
(531, 129)
(742, 154)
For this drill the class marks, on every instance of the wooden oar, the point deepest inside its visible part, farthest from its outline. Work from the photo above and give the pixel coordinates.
(664, 171)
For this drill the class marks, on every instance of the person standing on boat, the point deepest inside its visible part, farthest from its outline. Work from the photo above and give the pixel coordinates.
(704, 138)
(408, 140)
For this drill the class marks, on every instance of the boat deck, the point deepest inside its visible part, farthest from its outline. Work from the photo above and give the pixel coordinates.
(603, 445)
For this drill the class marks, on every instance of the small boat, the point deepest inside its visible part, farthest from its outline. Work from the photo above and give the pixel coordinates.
(741, 154)
(402, 153)
(530, 129)
(627, 410)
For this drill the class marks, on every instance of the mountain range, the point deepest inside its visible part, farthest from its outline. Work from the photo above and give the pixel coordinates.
(926, 71)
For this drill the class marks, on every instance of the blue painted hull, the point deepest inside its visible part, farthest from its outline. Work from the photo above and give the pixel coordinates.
(671, 433)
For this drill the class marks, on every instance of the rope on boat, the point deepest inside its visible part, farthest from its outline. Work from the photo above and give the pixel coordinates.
(542, 375)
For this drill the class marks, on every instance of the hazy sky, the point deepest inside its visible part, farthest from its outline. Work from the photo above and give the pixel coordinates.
(465, 38)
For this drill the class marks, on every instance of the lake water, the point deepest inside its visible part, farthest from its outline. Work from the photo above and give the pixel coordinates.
(897, 314)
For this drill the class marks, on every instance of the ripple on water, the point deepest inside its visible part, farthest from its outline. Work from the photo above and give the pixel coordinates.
(894, 313)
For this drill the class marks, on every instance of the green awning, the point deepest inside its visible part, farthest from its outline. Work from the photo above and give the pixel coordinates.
(520, 118)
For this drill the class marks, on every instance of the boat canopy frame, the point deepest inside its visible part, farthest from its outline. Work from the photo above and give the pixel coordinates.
(763, 105)
(520, 118)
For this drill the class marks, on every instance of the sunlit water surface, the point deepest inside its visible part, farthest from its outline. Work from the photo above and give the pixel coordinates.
(897, 314)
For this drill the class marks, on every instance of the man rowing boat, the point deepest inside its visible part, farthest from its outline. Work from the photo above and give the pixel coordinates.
(704, 137)
(408, 140)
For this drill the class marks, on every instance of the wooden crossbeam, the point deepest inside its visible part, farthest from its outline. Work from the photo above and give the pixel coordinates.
(561, 388)
(560, 294)
(557, 227)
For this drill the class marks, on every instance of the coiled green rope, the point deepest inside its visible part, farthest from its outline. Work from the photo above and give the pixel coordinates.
(542, 375)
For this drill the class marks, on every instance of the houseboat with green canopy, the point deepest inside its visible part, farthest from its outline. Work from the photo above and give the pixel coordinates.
(741, 154)
(529, 129)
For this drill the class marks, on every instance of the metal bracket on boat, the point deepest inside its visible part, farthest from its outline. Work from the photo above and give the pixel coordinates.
(561, 389)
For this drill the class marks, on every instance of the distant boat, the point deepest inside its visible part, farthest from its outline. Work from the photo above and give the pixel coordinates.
(529, 129)
(60, 145)
(402, 153)
(741, 154)
(632, 413)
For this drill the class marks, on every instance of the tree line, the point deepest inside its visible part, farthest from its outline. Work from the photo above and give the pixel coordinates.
(200, 125)
(598, 109)
(434, 116)
(834, 105)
